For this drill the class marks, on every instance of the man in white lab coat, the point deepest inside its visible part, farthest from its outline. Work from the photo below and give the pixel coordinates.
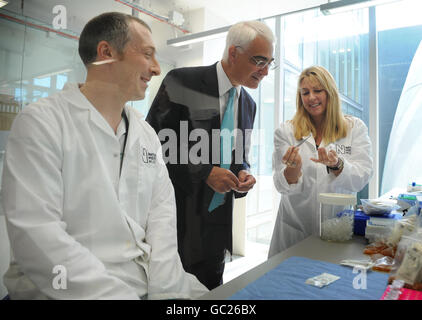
(89, 205)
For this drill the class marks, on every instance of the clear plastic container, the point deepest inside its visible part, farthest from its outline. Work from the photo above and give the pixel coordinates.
(336, 212)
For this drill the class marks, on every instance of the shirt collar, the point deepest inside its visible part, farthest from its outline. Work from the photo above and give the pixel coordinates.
(224, 83)
(121, 129)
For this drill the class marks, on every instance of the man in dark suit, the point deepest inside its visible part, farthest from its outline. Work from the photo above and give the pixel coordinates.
(187, 114)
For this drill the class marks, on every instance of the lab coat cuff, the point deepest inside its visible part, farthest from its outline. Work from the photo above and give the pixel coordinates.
(341, 179)
(294, 187)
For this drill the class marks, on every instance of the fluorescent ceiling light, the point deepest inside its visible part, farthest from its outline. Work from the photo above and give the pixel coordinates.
(3, 3)
(346, 5)
(198, 37)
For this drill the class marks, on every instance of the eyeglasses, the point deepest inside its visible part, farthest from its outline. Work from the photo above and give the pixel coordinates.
(261, 62)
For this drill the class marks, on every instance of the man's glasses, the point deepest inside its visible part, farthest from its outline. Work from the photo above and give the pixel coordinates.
(261, 62)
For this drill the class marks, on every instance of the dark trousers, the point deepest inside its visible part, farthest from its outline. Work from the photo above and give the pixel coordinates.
(209, 272)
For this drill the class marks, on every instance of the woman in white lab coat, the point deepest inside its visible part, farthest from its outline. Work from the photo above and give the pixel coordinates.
(336, 157)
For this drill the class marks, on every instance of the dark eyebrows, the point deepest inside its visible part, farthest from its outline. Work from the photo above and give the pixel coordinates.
(148, 49)
(261, 58)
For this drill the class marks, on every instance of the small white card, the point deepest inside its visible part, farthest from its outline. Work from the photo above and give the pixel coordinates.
(322, 280)
(363, 264)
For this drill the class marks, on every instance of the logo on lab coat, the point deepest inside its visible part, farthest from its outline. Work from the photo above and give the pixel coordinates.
(342, 149)
(148, 157)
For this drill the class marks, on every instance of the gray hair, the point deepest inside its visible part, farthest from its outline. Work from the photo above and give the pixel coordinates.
(244, 32)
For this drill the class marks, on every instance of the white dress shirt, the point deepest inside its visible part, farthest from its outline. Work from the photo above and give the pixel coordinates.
(224, 85)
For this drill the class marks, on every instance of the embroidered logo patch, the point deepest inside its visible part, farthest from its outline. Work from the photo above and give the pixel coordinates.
(148, 157)
(342, 149)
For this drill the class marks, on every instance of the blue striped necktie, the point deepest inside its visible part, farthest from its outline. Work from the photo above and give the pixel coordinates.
(226, 133)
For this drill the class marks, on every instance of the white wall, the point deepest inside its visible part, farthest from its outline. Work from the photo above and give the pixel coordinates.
(192, 55)
(213, 49)
(199, 54)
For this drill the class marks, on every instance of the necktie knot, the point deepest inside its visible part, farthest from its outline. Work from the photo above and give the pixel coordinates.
(232, 92)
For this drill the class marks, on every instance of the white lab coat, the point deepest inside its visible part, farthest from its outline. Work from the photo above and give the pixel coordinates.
(65, 205)
(298, 213)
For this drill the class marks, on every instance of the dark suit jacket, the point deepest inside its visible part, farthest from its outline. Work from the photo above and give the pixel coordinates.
(188, 99)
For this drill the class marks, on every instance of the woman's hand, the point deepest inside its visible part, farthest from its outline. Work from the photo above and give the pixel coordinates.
(293, 161)
(328, 158)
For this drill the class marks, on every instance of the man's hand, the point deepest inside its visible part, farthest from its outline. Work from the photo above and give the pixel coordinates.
(246, 181)
(222, 180)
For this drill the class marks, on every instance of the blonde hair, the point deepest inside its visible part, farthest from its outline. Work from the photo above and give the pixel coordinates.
(336, 125)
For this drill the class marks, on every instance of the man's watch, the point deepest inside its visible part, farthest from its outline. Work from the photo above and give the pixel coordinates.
(338, 166)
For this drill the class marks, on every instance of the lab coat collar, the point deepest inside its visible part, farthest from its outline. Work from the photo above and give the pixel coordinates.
(74, 96)
(134, 130)
(76, 99)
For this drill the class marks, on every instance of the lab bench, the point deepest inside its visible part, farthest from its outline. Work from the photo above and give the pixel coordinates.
(314, 256)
